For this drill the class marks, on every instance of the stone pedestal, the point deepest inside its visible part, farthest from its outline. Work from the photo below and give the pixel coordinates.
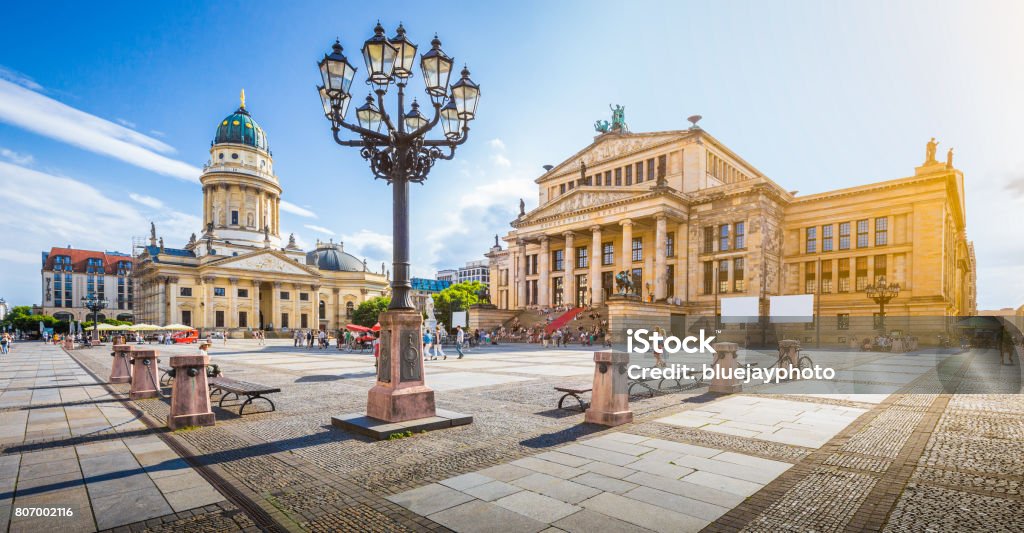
(190, 395)
(725, 364)
(609, 404)
(145, 382)
(400, 393)
(790, 351)
(121, 367)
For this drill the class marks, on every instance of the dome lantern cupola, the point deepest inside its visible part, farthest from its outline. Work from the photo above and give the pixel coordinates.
(240, 128)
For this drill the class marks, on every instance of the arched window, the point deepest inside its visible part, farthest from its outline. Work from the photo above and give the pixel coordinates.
(323, 310)
(349, 308)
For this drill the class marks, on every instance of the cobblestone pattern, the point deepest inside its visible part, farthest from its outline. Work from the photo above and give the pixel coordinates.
(1005, 486)
(858, 462)
(220, 518)
(929, 508)
(355, 518)
(811, 505)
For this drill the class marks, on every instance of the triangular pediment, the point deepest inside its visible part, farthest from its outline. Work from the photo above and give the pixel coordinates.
(611, 146)
(269, 261)
(579, 200)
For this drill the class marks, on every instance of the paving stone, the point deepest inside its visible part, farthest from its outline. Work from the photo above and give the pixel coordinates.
(761, 476)
(536, 506)
(589, 521)
(563, 458)
(680, 504)
(661, 468)
(37, 470)
(505, 472)
(557, 488)
(598, 454)
(489, 492)
(119, 509)
(616, 446)
(643, 514)
(687, 489)
(186, 499)
(605, 469)
(115, 484)
(430, 499)
(625, 437)
(466, 481)
(723, 483)
(482, 517)
(605, 483)
(547, 467)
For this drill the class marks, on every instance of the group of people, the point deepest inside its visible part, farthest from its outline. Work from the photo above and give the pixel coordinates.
(306, 338)
(434, 339)
(5, 343)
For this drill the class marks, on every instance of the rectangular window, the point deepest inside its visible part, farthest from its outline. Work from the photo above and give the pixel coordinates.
(810, 278)
(556, 294)
(561, 189)
(219, 291)
(812, 240)
(723, 276)
(629, 174)
(186, 318)
(558, 259)
(741, 235)
(638, 279)
(581, 257)
(618, 177)
(826, 238)
(826, 277)
(608, 178)
(709, 239)
(234, 217)
(184, 291)
(709, 277)
(670, 280)
(723, 238)
(843, 321)
(844, 236)
(534, 263)
(243, 293)
(284, 320)
(218, 319)
(738, 275)
(243, 319)
(607, 253)
(650, 170)
(304, 320)
(572, 185)
(303, 296)
(881, 231)
(862, 233)
(670, 244)
(639, 172)
(862, 273)
(285, 295)
(844, 275)
(638, 249)
(879, 267)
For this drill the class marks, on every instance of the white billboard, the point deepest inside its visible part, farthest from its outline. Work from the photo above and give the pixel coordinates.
(796, 308)
(741, 310)
(459, 319)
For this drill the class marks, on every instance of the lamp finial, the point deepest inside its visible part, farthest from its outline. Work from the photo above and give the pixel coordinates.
(242, 98)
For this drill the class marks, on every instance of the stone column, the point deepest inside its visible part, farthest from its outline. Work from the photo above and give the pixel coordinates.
(660, 258)
(596, 289)
(295, 323)
(610, 397)
(190, 400)
(626, 253)
(161, 299)
(543, 296)
(275, 305)
(521, 276)
(336, 292)
(145, 382)
(315, 295)
(277, 216)
(569, 262)
(208, 296)
(254, 320)
(231, 321)
(682, 245)
(172, 301)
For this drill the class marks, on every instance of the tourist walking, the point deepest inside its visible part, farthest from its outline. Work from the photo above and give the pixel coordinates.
(426, 344)
(438, 349)
(460, 337)
(5, 343)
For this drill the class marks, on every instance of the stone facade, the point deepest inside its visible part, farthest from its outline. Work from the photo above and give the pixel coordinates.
(692, 223)
(238, 274)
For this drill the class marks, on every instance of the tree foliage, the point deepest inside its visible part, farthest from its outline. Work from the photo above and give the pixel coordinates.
(457, 297)
(21, 318)
(369, 311)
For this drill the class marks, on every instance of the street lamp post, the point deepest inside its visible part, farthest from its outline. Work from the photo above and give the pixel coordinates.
(882, 293)
(95, 305)
(400, 155)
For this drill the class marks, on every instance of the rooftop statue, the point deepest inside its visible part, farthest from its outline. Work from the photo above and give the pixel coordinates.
(618, 122)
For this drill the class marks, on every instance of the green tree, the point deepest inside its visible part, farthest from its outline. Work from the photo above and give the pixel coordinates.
(369, 311)
(21, 318)
(457, 297)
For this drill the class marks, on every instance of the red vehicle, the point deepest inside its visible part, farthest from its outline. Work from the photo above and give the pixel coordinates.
(186, 337)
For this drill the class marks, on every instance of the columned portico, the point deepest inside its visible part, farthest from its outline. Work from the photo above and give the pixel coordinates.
(521, 274)
(231, 321)
(626, 263)
(543, 282)
(569, 266)
(660, 257)
(596, 290)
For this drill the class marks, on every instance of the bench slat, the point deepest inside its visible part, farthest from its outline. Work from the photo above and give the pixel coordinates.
(241, 387)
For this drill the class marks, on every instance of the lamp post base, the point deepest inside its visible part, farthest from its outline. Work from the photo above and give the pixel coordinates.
(400, 393)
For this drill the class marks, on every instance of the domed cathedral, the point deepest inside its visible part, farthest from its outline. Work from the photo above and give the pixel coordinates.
(237, 273)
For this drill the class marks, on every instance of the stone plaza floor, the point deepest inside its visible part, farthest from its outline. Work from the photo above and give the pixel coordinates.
(891, 446)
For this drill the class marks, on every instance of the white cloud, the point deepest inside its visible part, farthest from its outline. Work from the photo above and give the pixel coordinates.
(15, 157)
(45, 116)
(19, 78)
(497, 144)
(20, 256)
(318, 229)
(289, 207)
(126, 123)
(147, 201)
(500, 160)
(157, 133)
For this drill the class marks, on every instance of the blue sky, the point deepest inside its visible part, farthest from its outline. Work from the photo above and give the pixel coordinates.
(106, 111)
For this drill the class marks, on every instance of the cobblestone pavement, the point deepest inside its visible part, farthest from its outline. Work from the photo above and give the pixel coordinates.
(862, 456)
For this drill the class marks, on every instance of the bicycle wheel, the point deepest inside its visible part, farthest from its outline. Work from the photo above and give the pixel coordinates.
(804, 362)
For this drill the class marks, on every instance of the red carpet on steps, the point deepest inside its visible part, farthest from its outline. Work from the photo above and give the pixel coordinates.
(563, 320)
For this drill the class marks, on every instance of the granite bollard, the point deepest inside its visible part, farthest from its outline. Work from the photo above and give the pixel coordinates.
(609, 404)
(190, 398)
(121, 367)
(145, 382)
(725, 365)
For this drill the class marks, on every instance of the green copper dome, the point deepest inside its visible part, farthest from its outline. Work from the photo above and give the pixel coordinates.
(240, 128)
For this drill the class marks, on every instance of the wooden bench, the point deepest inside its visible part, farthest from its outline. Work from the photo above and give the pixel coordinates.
(575, 393)
(252, 391)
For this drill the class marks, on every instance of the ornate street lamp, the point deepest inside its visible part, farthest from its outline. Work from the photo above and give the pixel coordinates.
(396, 147)
(95, 305)
(882, 293)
